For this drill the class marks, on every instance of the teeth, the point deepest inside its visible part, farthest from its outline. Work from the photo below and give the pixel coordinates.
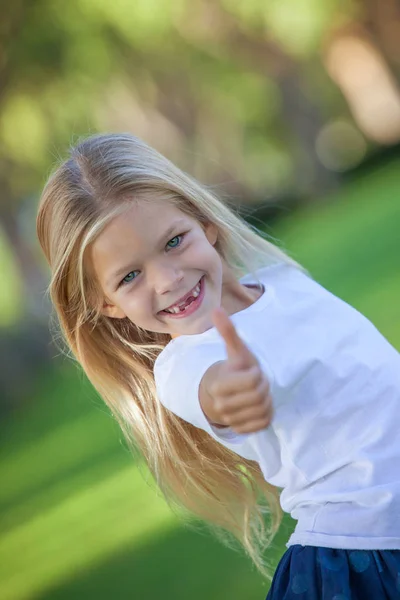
(182, 307)
(196, 291)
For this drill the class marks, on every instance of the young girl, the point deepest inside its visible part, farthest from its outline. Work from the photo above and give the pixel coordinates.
(231, 369)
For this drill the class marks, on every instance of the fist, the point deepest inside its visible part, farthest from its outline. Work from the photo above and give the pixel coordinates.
(240, 394)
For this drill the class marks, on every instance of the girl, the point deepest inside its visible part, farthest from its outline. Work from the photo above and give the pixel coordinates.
(295, 391)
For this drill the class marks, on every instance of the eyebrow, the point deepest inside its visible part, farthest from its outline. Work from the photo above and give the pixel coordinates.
(125, 269)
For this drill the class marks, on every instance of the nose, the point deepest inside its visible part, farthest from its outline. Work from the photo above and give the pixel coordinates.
(166, 278)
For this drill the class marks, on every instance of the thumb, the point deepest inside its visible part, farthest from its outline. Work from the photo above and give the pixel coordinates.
(237, 351)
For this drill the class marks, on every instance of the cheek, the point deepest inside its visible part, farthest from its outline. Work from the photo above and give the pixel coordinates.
(132, 303)
(214, 260)
(139, 307)
(207, 253)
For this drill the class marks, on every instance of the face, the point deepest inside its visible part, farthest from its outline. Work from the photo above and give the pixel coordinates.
(159, 267)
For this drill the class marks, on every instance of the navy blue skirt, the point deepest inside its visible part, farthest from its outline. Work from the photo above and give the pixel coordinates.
(315, 573)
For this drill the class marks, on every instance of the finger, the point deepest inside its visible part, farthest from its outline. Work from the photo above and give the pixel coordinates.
(252, 426)
(237, 351)
(248, 415)
(243, 381)
(257, 401)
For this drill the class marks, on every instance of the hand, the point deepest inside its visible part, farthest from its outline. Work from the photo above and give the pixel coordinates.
(241, 398)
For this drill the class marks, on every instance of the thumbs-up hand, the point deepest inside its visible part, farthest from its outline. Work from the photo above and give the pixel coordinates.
(241, 396)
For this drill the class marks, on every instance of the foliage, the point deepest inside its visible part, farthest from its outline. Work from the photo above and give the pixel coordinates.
(78, 521)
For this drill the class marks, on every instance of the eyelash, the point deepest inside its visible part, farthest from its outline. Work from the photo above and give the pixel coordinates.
(181, 235)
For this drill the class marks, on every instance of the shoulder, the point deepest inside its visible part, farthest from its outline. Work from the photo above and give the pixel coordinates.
(284, 284)
(293, 292)
(180, 367)
(279, 271)
(181, 352)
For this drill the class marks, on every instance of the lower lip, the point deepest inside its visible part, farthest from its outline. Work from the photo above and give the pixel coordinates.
(193, 306)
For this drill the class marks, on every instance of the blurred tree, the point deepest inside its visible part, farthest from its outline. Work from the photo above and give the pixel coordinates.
(382, 19)
(234, 92)
(255, 49)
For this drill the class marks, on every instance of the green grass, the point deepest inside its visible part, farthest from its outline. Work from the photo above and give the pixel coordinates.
(352, 246)
(77, 518)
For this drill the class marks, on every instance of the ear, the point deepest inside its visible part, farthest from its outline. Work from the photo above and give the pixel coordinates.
(113, 311)
(211, 231)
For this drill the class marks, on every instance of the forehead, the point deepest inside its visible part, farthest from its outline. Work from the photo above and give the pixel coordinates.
(140, 223)
(133, 233)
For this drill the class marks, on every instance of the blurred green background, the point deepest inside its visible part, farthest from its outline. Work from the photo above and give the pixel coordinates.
(291, 110)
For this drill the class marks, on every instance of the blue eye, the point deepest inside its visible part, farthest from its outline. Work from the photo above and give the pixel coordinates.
(176, 241)
(128, 278)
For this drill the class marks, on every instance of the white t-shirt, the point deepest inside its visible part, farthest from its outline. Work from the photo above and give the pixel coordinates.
(334, 442)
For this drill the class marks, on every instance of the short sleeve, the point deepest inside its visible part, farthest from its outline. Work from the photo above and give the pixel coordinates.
(178, 374)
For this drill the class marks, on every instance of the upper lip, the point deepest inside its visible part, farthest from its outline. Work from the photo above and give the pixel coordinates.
(183, 299)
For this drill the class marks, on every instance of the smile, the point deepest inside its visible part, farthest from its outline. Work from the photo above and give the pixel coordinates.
(189, 304)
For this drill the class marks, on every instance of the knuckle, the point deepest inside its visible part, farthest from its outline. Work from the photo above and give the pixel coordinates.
(218, 407)
(215, 389)
(245, 429)
(224, 413)
(258, 397)
(263, 390)
(264, 385)
(238, 428)
(256, 424)
(263, 412)
(262, 418)
(269, 410)
(254, 376)
(267, 416)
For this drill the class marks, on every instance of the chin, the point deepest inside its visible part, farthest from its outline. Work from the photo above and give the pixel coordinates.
(200, 328)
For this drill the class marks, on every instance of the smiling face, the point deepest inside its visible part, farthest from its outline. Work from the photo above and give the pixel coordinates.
(154, 257)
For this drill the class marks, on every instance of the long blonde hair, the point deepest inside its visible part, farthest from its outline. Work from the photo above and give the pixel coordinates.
(103, 174)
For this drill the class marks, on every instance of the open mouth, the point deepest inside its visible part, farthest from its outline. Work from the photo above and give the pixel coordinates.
(190, 304)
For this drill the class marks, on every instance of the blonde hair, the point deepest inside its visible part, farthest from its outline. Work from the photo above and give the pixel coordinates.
(102, 176)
